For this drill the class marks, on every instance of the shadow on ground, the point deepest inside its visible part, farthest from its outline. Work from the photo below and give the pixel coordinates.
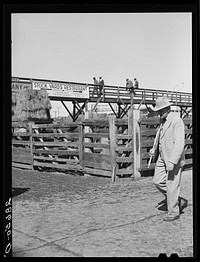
(18, 191)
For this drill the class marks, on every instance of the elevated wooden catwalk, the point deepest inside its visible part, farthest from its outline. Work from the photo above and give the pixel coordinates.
(84, 94)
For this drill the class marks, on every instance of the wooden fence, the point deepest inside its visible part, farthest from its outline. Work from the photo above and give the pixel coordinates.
(148, 128)
(112, 147)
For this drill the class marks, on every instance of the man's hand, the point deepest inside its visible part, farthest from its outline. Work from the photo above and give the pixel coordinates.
(170, 166)
(151, 152)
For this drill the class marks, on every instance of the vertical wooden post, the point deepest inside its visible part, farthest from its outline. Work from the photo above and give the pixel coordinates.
(87, 129)
(112, 133)
(130, 132)
(31, 143)
(81, 146)
(130, 121)
(136, 143)
(103, 93)
(132, 99)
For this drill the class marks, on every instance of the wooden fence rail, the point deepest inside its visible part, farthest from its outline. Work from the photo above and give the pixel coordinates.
(148, 128)
(111, 147)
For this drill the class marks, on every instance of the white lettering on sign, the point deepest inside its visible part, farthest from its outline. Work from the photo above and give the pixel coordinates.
(20, 86)
(62, 89)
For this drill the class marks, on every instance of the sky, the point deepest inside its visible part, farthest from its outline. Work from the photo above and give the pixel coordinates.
(156, 48)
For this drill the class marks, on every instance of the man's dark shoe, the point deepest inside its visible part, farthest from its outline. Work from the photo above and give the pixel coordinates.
(182, 204)
(169, 219)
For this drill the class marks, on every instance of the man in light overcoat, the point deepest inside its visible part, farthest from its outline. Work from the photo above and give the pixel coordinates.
(168, 149)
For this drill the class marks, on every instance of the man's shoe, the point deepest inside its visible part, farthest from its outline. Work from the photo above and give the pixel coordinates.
(182, 204)
(169, 219)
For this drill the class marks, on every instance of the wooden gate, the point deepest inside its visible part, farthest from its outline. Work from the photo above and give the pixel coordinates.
(56, 146)
(108, 147)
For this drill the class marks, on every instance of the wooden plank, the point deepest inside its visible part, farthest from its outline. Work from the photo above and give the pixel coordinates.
(94, 122)
(97, 165)
(124, 172)
(145, 138)
(19, 151)
(150, 121)
(56, 144)
(21, 134)
(124, 159)
(19, 125)
(20, 142)
(188, 141)
(121, 122)
(69, 125)
(188, 131)
(58, 135)
(148, 132)
(22, 158)
(57, 166)
(56, 152)
(96, 135)
(147, 143)
(124, 149)
(96, 145)
(95, 171)
(67, 161)
(20, 165)
(121, 136)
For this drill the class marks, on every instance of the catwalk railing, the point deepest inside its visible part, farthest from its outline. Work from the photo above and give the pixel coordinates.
(112, 94)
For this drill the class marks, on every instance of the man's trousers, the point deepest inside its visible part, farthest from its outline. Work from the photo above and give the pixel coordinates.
(168, 183)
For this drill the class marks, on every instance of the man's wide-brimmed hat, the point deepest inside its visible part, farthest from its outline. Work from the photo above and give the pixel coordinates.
(161, 102)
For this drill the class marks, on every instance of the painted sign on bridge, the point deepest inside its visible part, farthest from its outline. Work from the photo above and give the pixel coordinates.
(59, 89)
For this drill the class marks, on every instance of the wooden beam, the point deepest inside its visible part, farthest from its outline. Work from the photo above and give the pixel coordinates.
(31, 143)
(125, 110)
(81, 145)
(136, 144)
(95, 106)
(112, 109)
(112, 132)
(67, 109)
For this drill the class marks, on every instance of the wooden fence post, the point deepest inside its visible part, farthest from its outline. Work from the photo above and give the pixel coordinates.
(130, 121)
(87, 129)
(81, 147)
(130, 132)
(31, 143)
(112, 134)
(136, 143)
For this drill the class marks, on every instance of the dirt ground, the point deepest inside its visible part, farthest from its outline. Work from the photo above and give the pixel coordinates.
(64, 215)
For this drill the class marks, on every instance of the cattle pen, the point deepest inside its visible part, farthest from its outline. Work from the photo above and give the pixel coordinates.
(110, 147)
